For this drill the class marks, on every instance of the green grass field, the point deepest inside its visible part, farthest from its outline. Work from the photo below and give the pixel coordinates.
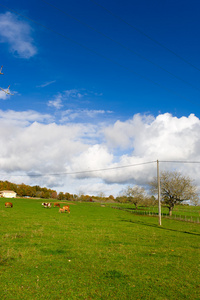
(95, 253)
(184, 212)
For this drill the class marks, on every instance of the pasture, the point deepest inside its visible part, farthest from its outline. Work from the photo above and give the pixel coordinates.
(95, 253)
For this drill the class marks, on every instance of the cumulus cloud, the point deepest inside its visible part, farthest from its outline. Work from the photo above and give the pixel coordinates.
(38, 146)
(17, 34)
(23, 118)
(68, 154)
(160, 137)
(164, 138)
(96, 188)
(94, 158)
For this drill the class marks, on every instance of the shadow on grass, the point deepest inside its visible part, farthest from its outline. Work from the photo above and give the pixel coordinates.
(113, 274)
(159, 227)
(53, 252)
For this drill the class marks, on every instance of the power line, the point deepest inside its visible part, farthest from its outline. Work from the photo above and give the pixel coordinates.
(103, 169)
(102, 56)
(120, 44)
(146, 35)
(83, 172)
(180, 161)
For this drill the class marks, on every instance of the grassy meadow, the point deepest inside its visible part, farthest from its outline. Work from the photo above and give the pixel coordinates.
(183, 212)
(95, 252)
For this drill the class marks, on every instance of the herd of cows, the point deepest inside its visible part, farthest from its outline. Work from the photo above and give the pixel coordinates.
(64, 209)
(61, 210)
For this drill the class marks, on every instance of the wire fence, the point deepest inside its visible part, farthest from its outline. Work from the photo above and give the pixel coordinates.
(191, 219)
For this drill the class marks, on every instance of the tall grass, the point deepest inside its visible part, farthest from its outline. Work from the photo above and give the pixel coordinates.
(95, 253)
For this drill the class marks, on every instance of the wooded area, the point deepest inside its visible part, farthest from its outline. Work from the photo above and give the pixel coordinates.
(24, 190)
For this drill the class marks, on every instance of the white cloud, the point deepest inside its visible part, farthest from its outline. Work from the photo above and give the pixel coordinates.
(57, 102)
(23, 118)
(94, 158)
(160, 137)
(74, 93)
(32, 143)
(122, 134)
(71, 98)
(17, 34)
(95, 188)
(164, 137)
(84, 114)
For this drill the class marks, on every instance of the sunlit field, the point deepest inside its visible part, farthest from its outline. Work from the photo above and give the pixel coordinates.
(95, 252)
(180, 212)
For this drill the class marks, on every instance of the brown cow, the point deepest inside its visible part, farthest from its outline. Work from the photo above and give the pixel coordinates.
(8, 204)
(56, 204)
(66, 208)
(61, 210)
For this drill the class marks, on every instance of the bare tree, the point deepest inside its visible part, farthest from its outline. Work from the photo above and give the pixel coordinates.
(175, 188)
(134, 195)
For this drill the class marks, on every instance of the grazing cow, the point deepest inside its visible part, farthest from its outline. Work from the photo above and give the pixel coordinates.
(61, 210)
(8, 204)
(66, 208)
(46, 205)
(56, 204)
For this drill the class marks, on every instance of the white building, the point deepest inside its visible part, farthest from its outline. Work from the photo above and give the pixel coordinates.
(8, 194)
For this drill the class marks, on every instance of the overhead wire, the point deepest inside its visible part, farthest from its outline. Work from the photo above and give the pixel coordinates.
(179, 161)
(120, 44)
(146, 35)
(104, 169)
(146, 78)
(82, 172)
(101, 55)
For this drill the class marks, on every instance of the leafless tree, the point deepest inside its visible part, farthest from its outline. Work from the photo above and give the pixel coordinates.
(134, 195)
(175, 188)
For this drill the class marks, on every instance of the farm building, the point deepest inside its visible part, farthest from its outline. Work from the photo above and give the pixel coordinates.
(8, 194)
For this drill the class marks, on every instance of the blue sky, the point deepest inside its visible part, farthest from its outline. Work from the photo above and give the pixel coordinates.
(97, 85)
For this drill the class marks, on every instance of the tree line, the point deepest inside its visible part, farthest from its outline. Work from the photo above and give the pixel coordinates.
(175, 189)
(24, 190)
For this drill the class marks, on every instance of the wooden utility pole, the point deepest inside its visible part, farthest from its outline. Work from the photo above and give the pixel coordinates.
(159, 204)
